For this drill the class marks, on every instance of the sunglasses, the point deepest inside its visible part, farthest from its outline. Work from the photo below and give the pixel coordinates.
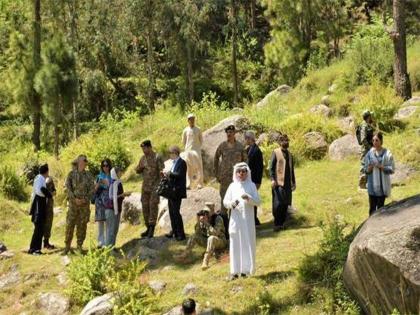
(105, 165)
(242, 171)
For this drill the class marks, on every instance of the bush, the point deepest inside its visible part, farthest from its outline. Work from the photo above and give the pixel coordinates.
(88, 275)
(11, 184)
(322, 273)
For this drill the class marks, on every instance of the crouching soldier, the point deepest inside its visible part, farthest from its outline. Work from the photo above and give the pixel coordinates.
(209, 232)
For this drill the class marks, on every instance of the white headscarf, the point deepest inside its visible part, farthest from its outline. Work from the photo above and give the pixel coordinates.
(238, 166)
(113, 190)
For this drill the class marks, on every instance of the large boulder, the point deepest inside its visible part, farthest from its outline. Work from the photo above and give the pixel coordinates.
(132, 209)
(270, 138)
(145, 249)
(195, 201)
(214, 136)
(316, 146)
(101, 305)
(53, 304)
(281, 90)
(415, 100)
(321, 109)
(347, 124)
(343, 148)
(406, 112)
(402, 173)
(383, 264)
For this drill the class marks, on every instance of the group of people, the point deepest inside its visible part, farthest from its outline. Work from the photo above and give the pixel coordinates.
(237, 168)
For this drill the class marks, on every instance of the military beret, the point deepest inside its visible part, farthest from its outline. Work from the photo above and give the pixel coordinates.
(366, 114)
(146, 143)
(230, 128)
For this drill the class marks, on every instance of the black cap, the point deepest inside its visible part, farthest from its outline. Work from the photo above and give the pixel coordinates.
(230, 128)
(43, 169)
(146, 143)
(203, 212)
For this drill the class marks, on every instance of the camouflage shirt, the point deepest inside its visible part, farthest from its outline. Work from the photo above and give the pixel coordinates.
(206, 230)
(150, 166)
(80, 185)
(226, 157)
(366, 135)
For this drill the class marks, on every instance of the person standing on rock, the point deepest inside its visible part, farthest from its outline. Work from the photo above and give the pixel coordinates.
(378, 166)
(80, 186)
(209, 232)
(40, 194)
(364, 135)
(177, 181)
(150, 166)
(255, 163)
(228, 153)
(241, 198)
(192, 139)
(283, 182)
(49, 213)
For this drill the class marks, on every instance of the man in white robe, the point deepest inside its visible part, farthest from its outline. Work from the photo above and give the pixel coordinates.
(240, 198)
(193, 140)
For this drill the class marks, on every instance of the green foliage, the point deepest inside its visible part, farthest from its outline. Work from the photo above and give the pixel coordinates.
(414, 65)
(130, 295)
(370, 54)
(12, 185)
(324, 270)
(88, 275)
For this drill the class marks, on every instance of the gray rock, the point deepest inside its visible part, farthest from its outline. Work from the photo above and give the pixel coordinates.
(10, 278)
(406, 112)
(157, 286)
(3, 247)
(402, 173)
(62, 278)
(190, 289)
(382, 269)
(145, 249)
(65, 260)
(278, 92)
(216, 135)
(343, 148)
(347, 124)
(270, 137)
(132, 209)
(326, 100)
(321, 109)
(316, 146)
(195, 201)
(332, 88)
(415, 100)
(53, 304)
(101, 305)
(7, 254)
(177, 310)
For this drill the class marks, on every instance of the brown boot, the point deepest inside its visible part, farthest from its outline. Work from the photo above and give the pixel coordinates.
(205, 264)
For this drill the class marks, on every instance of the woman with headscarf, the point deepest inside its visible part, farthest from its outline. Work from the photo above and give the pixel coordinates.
(240, 199)
(102, 201)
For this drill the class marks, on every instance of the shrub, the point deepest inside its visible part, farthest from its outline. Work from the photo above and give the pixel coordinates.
(88, 275)
(11, 184)
(322, 273)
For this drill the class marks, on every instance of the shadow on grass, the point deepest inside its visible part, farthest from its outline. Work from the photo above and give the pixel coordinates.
(275, 276)
(293, 222)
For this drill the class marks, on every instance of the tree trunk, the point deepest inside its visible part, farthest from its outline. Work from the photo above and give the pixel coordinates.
(234, 53)
(190, 81)
(36, 98)
(401, 78)
(56, 138)
(151, 92)
(253, 14)
(74, 38)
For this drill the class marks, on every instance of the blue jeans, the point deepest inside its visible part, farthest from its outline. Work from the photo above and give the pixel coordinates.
(112, 225)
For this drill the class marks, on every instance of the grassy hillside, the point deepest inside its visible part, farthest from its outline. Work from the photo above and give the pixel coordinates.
(325, 189)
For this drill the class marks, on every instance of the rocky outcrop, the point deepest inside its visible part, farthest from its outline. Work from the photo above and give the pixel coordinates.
(382, 269)
(316, 146)
(132, 209)
(321, 109)
(216, 135)
(101, 305)
(347, 124)
(281, 90)
(415, 100)
(402, 173)
(343, 148)
(145, 249)
(53, 304)
(406, 112)
(270, 137)
(195, 201)
(10, 278)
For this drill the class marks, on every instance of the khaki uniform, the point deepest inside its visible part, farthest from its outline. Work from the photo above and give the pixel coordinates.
(226, 157)
(366, 135)
(192, 139)
(150, 166)
(49, 210)
(210, 236)
(79, 185)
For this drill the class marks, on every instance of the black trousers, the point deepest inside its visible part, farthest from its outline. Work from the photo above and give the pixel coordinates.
(282, 199)
(174, 206)
(375, 203)
(36, 242)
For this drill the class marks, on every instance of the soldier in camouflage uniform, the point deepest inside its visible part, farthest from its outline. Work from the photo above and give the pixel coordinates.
(80, 187)
(209, 232)
(150, 165)
(227, 155)
(366, 135)
(49, 213)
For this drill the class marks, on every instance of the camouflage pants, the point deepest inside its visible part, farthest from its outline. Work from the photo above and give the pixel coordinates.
(150, 207)
(77, 216)
(362, 175)
(224, 185)
(212, 243)
(49, 216)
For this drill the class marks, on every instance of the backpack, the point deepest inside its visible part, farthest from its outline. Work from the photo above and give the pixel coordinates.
(359, 134)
